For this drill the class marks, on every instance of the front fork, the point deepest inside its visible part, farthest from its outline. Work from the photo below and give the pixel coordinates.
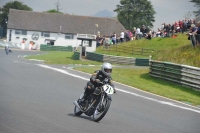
(100, 106)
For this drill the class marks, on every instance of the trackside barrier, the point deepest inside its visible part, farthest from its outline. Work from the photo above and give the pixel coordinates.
(129, 50)
(182, 74)
(55, 48)
(76, 55)
(117, 59)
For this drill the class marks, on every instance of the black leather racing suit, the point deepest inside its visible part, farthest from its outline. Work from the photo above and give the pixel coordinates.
(92, 84)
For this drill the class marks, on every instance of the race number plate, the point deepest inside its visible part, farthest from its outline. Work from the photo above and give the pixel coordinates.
(108, 89)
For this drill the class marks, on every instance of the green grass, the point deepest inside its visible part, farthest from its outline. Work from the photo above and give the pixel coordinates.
(58, 57)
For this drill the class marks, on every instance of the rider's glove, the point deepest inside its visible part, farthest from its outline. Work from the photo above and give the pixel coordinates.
(97, 80)
(115, 91)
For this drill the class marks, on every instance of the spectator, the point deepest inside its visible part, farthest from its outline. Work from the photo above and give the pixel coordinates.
(172, 29)
(144, 30)
(106, 42)
(148, 36)
(122, 36)
(192, 33)
(127, 36)
(130, 35)
(168, 28)
(114, 37)
(158, 33)
(138, 34)
(184, 25)
(198, 34)
(134, 33)
(99, 40)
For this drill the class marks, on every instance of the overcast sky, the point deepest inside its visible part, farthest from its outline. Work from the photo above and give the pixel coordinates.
(167, 11)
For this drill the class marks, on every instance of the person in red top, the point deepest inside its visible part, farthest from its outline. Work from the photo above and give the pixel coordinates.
(180, 25)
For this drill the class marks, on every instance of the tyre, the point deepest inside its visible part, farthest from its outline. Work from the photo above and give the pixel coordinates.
(77, 111)
(7, 52)
(98, 115)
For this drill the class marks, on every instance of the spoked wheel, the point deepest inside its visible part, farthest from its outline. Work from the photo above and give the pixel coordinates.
(101, 110)
(77, 111)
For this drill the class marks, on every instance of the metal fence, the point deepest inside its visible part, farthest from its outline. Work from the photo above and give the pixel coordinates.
(117, 59)
(55, 48)
(129, 50)
(76, 55)
(182, 74)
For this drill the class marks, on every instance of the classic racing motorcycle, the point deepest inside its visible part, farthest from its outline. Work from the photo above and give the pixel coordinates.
(96, 104)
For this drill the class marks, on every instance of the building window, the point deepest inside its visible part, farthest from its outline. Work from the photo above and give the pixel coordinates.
(45, 34)
(24, 32)
(69, 36)
(20, 32)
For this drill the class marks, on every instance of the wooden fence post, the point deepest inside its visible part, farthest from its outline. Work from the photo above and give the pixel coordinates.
(132, 50)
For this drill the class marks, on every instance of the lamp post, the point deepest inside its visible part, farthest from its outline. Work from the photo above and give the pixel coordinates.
(5, 27)
(96, 25)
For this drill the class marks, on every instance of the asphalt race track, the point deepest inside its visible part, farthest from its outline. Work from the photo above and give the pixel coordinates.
(38, 98)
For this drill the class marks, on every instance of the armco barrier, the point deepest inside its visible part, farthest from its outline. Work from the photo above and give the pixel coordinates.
(141, 62)
(117, 59)
(76, 55)
(182, 74)
(94, 56)
(55, 48)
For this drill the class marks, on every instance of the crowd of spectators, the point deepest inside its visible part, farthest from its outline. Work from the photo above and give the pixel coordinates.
(166, 30)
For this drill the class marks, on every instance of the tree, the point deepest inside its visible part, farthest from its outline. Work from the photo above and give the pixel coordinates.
(134, 13)
(188, 15)
(57, 8)
(197, 4)
(53, 11)
(4, 11)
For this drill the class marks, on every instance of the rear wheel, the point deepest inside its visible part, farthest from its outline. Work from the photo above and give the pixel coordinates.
(101, 110)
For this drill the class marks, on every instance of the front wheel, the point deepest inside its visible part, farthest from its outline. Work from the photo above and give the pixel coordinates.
(77, 111)
(7, 52)
(101, 110)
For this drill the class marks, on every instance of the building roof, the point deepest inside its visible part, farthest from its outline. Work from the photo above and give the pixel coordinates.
(62, 23)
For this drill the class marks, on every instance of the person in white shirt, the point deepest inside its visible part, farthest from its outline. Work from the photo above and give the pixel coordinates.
(122, 36)
(138, 33)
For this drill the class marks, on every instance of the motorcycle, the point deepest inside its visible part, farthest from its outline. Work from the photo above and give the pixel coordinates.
(96, 104)
(8, 51)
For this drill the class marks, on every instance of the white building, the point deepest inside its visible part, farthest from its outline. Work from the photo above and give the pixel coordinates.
(56, 29)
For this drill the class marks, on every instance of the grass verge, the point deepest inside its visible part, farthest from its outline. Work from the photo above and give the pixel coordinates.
(57, 57)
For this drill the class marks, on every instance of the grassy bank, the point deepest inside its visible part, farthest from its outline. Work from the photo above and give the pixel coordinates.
(136, 77)
(177, 50)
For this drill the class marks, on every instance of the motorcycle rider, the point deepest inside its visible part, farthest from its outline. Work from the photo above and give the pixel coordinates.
(8, 48)
(98, 76)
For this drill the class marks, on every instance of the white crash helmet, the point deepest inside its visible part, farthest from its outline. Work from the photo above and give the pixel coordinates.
(106, 68)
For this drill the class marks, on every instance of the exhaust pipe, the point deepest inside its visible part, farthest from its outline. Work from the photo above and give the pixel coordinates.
(76, 104)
